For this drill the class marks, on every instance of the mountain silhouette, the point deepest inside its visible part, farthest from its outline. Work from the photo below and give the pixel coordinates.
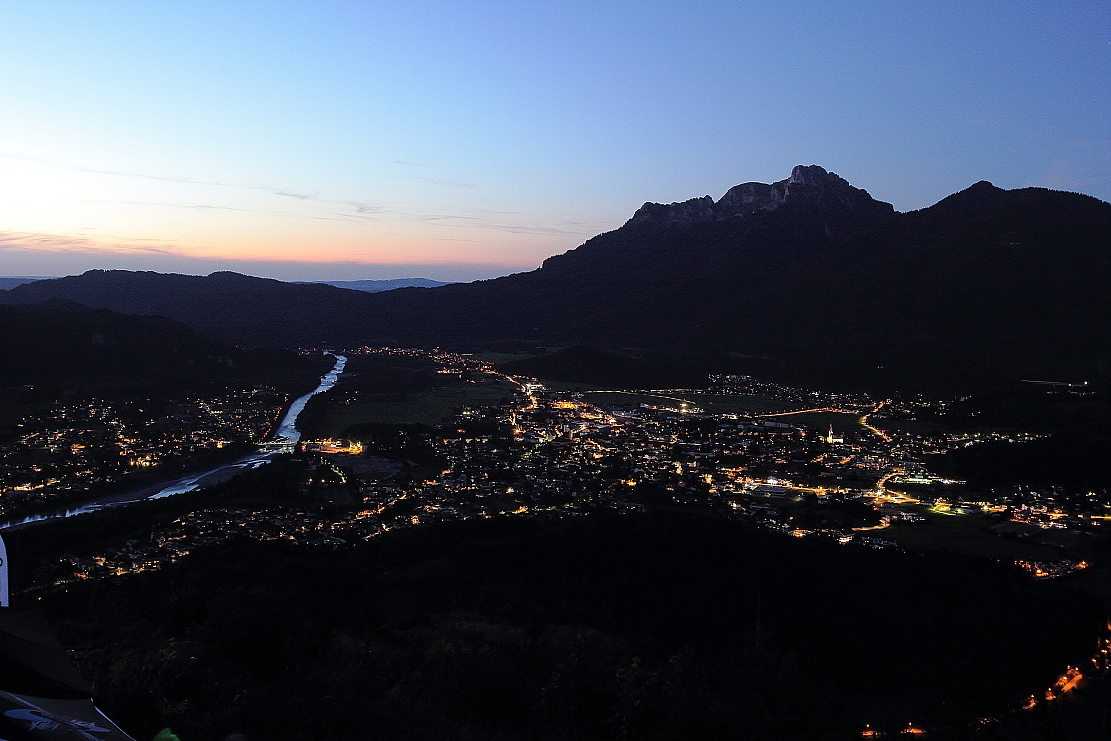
(989, 281)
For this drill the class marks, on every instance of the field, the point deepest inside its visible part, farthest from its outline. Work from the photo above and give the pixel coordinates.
(967, 534)
(575, 386)
(498, 357)
(913, 426)
(495, 357)
(712, 403)
(842, 422)
(431, 406)
(822, 421)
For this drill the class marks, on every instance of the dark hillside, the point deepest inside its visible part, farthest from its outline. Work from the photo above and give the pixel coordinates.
(225, 305)
(68, 346)
(601, 627)
(1015, 282)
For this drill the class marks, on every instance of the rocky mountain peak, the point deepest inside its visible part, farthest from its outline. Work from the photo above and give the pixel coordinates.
(810, 184)
(814, 176)
(694, 211)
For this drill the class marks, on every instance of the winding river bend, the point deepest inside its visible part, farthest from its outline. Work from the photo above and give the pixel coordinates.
(285, 440)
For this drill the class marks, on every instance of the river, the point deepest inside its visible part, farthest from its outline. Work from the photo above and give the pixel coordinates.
(284, 440)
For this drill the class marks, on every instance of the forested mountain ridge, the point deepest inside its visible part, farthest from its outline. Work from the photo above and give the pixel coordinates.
(225, 305)
(59, 342)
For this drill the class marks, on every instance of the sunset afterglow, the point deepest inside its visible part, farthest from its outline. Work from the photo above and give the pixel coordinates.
(359, 140)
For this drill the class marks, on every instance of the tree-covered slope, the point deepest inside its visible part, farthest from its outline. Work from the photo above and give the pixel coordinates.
(65, 344)
(602, 627)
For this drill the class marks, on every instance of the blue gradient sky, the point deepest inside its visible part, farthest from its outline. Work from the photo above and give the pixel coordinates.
(346, 140)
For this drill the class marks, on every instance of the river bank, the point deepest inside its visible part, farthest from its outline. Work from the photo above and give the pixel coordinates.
(284, 440)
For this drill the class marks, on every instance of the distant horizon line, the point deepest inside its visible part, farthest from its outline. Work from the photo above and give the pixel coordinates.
(31, 278)
(51, 266)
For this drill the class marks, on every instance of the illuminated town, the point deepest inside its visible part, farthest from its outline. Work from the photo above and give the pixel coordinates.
(69, 452)
(550, 454)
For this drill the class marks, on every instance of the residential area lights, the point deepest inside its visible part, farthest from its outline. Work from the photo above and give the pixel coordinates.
(557, 454)
(66, 450)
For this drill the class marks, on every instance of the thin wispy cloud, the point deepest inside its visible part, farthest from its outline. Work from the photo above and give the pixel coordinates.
(520, 229)
(342, 210)
(285, 192)
(437, 181)
(445, 217)
(298, 196)
(80, 244)
(500, 213)
(363, 215)
(478, 222)
(196, 206)
(126, 174)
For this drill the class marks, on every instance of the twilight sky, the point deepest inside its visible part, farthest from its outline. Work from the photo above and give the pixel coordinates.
(463, 140)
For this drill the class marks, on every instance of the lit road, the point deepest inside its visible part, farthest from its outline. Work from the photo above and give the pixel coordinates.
(807, 411)
(864, 422)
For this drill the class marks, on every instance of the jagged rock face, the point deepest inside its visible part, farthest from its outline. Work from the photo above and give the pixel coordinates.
(694, 211)
(807, 184)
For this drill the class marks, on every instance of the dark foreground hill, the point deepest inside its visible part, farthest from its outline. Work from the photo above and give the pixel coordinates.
(70, 347)
(987, 283)
(602, 627)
